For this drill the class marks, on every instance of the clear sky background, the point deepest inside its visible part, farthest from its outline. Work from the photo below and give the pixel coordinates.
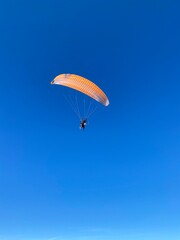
(120, 178)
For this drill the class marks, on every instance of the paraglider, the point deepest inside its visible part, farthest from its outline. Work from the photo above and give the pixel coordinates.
(83, 123)
(84, 86)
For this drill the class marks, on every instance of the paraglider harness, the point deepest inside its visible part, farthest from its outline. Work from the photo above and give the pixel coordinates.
(83, 123)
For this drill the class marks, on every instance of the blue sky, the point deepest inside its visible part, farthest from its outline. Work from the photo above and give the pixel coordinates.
(118, 179)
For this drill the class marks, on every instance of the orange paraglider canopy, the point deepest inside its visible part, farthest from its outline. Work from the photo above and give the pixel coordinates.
(83, 85)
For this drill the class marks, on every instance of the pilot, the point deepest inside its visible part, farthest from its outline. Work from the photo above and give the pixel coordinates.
(83, 123)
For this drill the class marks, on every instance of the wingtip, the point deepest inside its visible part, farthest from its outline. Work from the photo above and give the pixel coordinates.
(107, 103)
